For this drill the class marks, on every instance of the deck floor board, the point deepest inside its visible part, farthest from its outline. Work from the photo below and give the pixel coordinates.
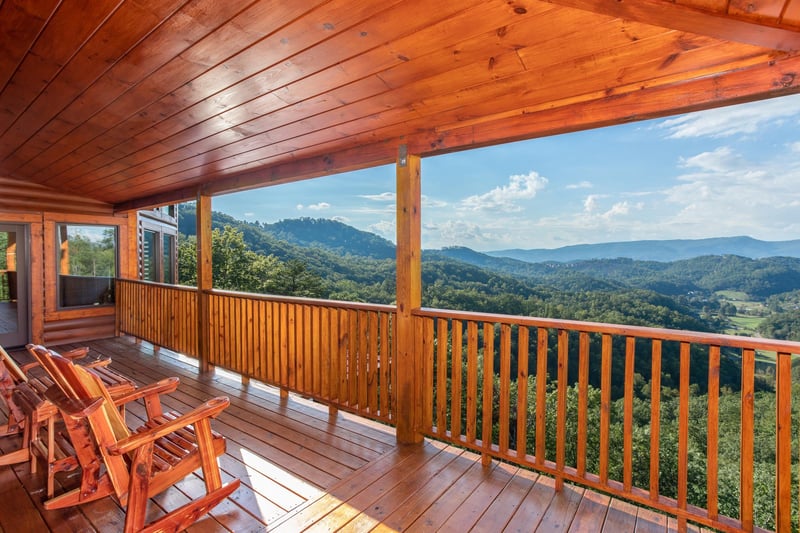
(305, 469)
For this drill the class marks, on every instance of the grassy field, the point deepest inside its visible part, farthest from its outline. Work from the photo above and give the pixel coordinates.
(744, 325)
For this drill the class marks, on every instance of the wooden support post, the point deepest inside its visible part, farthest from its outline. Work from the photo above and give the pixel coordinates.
(409, 297)
(204, 279)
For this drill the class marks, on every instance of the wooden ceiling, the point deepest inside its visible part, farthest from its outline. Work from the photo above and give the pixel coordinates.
(143, 102)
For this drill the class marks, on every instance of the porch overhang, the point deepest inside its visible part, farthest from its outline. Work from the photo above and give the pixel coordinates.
(146, 103)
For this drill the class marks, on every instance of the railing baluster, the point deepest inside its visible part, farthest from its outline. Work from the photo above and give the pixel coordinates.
(655, 418)
(424, 332)
(523, 335)
(712, 432)
(363, 362)
(335, 357)
(541, 393)
(505, 386)
(746, 460)
(441, 377)
(309, 331)
(583, 399)
(353, 358)
(605, 405)
(472, 380)
(372, 359)
(561, 411)
(627, 424)
(783, 450)
(382, 360)
(683, 432)
(488, 391)
(343, 351)
(456, 370)
(783, 445)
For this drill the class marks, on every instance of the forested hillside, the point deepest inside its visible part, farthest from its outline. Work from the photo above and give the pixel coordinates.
(686, 294)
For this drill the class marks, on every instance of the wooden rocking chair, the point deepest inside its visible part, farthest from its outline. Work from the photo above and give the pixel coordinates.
(23, 391)
(141, 463)
(27, 403)
(17, 421)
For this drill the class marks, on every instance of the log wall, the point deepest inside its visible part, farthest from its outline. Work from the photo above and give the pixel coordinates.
(41, 209)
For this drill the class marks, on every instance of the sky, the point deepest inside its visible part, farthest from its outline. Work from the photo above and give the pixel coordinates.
(718, 173)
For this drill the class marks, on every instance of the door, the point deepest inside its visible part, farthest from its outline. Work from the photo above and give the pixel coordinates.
(13, 285)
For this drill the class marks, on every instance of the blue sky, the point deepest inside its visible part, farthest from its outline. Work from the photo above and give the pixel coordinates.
(717, 173)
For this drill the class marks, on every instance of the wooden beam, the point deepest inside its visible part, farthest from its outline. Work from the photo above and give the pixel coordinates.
(204, 279)
(673, 15)
(779, 77)
(409, 297)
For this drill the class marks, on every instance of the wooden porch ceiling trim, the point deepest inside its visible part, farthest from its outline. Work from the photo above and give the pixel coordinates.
(771, 24)
(141, 103)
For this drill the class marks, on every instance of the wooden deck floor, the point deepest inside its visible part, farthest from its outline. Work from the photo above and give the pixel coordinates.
(302, 470)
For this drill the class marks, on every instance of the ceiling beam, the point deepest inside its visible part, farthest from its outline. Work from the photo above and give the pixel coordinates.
(669, 14)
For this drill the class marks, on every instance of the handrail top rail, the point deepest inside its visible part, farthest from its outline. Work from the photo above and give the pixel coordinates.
(714, 339)
(158, 284)
(274, 297)
(300, 300)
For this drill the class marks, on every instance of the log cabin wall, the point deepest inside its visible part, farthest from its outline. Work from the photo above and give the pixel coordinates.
(41, 209)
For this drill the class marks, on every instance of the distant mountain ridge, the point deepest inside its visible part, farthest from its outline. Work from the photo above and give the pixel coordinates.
(657, 250)
(343, 239)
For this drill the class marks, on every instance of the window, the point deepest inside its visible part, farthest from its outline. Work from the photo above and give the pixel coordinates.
(87, 264)
(168, 258)
(157, 260)
(149, 255)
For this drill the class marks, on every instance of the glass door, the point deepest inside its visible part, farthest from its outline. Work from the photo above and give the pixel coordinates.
(13, 285)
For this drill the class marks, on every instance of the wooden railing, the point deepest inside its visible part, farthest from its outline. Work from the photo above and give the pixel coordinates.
(554, 420)
(640, 413)
(335, 352)
(165, 315)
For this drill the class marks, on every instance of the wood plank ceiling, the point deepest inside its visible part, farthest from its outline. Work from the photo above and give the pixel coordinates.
(141, 102)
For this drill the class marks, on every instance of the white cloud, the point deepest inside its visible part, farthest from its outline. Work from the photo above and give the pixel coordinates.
(727, 195)
(455, 232)
(590, 203)
(719, 160)
(505, 197)
(384, 228)
(342, 219)
(249, 215)
(581, 185)
(728, 121)
(299, 207)
(429, 202)
(382, 197)
(618, 209)
(795, 146)
(321, 206)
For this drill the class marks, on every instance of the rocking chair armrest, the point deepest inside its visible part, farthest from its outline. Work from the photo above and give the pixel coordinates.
(72, 407)
(76, 353)
(80, 357)
(163, 386)
(209, 409)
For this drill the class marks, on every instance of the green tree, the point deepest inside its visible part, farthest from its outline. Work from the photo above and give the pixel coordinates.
(236, 267)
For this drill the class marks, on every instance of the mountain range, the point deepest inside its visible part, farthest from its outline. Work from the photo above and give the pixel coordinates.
(658, 250)
(343, 239)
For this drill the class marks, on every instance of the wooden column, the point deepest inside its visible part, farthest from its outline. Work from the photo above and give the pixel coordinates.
(409, 297)
(204, 278)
